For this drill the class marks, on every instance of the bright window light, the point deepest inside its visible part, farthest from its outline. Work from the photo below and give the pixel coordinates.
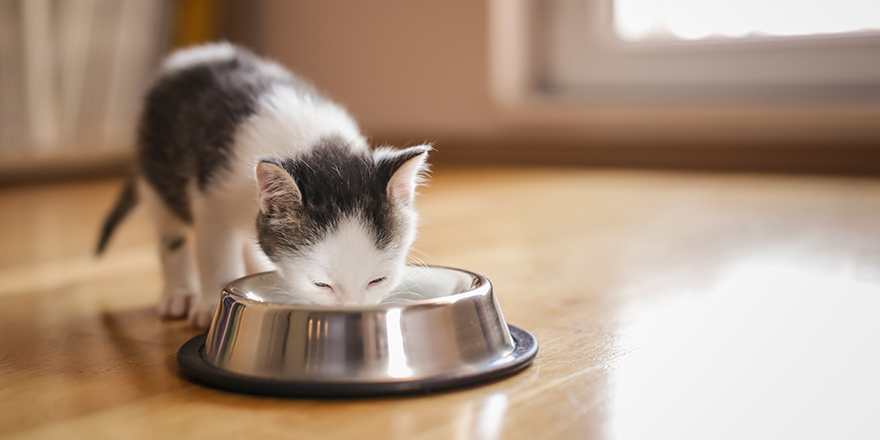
(641, 20)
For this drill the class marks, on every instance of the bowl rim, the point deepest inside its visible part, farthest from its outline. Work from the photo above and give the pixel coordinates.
(480, 286)
(191, 359)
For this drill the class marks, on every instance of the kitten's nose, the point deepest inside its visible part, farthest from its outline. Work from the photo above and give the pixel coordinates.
(345, 299)
(341, 299)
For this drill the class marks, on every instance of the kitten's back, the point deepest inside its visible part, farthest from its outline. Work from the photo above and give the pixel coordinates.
(192, 113)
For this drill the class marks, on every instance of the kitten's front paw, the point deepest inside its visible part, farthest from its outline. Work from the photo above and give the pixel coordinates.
(202, 313)
(175, 303)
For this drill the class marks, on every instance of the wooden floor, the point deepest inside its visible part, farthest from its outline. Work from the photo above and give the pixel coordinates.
(667, 305)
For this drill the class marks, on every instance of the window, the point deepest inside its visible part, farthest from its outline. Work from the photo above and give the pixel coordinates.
(791, 54)
(689, 20)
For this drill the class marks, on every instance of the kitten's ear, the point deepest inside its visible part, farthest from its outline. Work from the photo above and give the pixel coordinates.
(407, 168)
(278, 191)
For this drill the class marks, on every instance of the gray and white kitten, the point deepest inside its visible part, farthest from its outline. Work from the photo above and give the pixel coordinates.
(256, 163)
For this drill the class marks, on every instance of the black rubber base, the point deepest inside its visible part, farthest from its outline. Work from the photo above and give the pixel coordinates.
(190, 359)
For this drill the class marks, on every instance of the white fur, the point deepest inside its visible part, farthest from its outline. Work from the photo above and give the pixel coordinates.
(286, 126)
(189, 57)
(214, 52)
(346, 261)
(178, 267)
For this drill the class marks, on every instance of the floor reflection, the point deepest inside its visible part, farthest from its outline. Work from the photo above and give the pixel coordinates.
(476, 417)
(481, 419)
(772, 350)
(491, 416)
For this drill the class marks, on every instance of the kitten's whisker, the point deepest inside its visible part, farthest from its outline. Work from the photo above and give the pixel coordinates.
(408, 277)
(419, 251)
(418, 261)
(412, 280)
(424, 268)
(400, 297)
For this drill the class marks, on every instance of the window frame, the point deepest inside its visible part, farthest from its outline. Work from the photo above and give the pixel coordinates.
(526, 80)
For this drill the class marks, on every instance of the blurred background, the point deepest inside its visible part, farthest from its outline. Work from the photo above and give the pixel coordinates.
(785, 86)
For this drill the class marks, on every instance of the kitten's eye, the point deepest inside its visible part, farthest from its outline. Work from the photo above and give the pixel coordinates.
(377, 280)
(322, 284)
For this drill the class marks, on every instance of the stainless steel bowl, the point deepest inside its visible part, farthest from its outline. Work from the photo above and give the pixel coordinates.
(443, 329)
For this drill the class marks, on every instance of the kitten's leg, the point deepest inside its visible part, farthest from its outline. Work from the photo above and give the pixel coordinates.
(218, 252)
(181, 282)
(255, 261)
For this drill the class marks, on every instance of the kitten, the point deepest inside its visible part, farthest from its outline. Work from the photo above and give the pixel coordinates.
(268, 174)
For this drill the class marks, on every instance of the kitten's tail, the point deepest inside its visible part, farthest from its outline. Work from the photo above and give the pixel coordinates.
(128, 199)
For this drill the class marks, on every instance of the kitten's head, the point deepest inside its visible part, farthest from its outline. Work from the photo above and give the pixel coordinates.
(338, 224)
